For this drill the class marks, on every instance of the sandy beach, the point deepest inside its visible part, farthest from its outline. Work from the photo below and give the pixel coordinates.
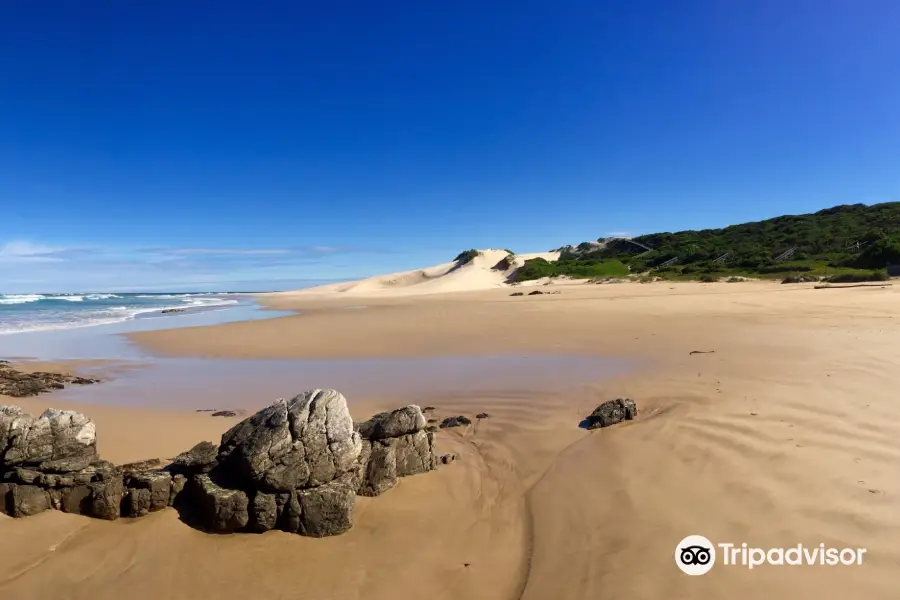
(785, 434)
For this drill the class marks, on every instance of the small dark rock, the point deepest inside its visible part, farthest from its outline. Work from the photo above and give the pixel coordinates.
(199, 459)
(535, 293)
(448, 458)
(147, 492)
(106, 498)
(136, 503)
(432, 429)
(428, 409)
(517, 294)
(144, 465)
(482, 416)
(220, 509)
(263, 512)
(171, 310)
(327, 509)
(612, 412)
(76, 500)
(29, 500)
(224, 413)
(395, 423)
(456, 421)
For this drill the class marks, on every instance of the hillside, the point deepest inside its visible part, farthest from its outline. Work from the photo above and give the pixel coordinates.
(852, 240)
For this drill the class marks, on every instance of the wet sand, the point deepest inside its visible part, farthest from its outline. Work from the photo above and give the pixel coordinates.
(785, 434)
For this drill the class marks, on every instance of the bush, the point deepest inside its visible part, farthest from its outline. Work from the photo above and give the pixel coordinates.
(799, 279)
(859, 277)
(708, 278)
(883, 252)
(782, 268)
(464, 258)
(534, 268)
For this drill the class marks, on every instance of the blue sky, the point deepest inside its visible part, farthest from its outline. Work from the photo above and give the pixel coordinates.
(201, 145)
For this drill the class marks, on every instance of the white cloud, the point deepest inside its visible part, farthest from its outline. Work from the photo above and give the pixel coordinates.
(225, 251)
(22, 251)
(324, 249)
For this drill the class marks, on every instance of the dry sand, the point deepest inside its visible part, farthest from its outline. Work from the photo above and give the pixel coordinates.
(786, 434)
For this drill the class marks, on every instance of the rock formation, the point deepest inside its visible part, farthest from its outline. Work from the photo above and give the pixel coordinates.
(199, 459)
(18, 384)
(459, 421)
(296, 466)
(58, 441)
(394, 444)
(612, 412)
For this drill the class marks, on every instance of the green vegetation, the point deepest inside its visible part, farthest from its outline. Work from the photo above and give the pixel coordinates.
(841, 242)
(467, 256)
(859, 277)
(535, 268)
(799, 279)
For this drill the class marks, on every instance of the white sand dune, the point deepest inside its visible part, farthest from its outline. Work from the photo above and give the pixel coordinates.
(487, 270)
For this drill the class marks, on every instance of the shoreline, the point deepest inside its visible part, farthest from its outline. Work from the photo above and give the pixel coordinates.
(109, 341)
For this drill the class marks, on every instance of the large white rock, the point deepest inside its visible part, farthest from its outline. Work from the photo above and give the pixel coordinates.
(56, 441)
(299, 443)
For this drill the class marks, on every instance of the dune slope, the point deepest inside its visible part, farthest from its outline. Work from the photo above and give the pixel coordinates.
(490, 269)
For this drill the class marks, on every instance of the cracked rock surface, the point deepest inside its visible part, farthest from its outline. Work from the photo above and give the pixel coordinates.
(293, 444)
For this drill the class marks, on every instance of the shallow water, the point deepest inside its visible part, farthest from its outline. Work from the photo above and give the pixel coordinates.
(192, 384)
(107, 341)
(198, 383)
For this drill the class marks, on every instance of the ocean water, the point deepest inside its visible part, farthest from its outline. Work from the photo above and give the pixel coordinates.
(20, 313)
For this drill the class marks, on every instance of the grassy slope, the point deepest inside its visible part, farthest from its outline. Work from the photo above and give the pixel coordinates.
(821, 241)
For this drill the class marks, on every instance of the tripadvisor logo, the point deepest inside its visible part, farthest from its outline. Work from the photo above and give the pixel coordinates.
(696, 555)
